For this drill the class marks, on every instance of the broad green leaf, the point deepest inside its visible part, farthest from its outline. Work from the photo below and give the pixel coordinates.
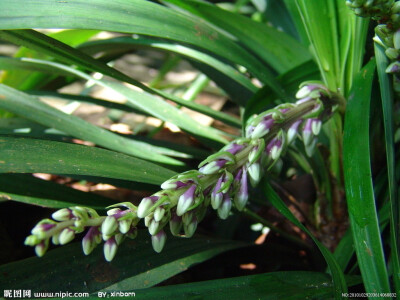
(277, 49)
(339, 282)
(387, 98)
(24, 155)
(275, 285)
(358, 183)
(135, 16)
(31, 190)
(23, 104)
(136, 265)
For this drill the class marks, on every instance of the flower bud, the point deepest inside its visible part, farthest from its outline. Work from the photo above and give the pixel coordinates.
(190, 228)
(307, 132)
(213, 167)
(153, 227)
(173, 184)
(242, 195)
(186, 200)
(124, 225)
(132, 233)
(216, 195)
(110, 249)
(394, 67)
(109, 225)
(91, 240)
(32, 240)
(175, 224)
(63, 214)
(158, 241)
(262, 128)
(66, 236)
(159, 213)
(225, 208)
(144, 207)
(254, 173)
(316, 126)
(42, 247)
(292, 131)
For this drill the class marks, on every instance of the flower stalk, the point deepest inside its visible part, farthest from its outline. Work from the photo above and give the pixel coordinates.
(221, 182)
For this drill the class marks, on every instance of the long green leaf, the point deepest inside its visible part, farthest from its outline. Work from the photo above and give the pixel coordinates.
(358, 183)
(24, 155)
(135, 16)
(136, 265)
(278, 49)
(31, 190)
(337, 274)
(144, 101)
(276, 285)
(387, 104)
(23, 104)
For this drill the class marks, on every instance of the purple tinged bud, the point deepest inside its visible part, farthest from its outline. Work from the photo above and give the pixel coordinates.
(190, 228)
(66, 236)
(90, 240)
(109, 226)
(144, 207)
(234, 148)
(110, 249)
(158, 241)
(262, 128)
(42, 247)
(225, 208)
(249, 130)
(291, 134)
(173, 184)
(40, 229)
(394, 67)
(63, 214)
(275, 147)
(242, 195)
(303, 100)
(216, 197)
(175, 224)
(186, 200)
(212, 167)
(304, 91)
(307, 132)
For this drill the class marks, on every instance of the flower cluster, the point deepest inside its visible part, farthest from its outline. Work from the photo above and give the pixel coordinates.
(221, 181)
(387, 13)
(376, 9)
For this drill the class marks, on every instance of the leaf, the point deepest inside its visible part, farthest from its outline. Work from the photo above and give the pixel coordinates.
(139, 100)
(136, 265)
(24, 80)
(320, 21)
(275, 285)
(358, 183)
(23, 104)
(31, 190)
(336, 273)
(135, 16)
(387, 99)
(24, 155)
(277, 49)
